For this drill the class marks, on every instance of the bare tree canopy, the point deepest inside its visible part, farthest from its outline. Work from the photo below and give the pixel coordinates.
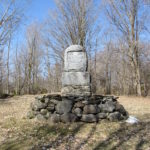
(73, 22)
(129, 19)
(10, 16)
(115, 34)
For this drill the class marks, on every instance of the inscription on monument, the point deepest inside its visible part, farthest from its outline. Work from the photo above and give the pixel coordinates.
(76, 61)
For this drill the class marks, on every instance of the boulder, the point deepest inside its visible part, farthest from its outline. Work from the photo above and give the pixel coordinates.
(89, 118)
(79, 104)
(116, 116)
(101, 115)
(109, 106)
(43, 111)
(64, 107)
(37, 105)
(121, 109)
(55, 118)
(78, 112)
(90, 109)
(68, 117)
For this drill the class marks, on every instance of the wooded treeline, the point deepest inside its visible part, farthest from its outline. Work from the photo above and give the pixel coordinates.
(115, 34)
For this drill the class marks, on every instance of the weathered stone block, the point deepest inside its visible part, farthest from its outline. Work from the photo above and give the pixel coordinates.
(75, 78)
(76, 90)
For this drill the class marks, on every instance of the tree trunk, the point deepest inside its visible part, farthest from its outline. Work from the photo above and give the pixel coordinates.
(8, 64)
(138, 79)
(108, 78)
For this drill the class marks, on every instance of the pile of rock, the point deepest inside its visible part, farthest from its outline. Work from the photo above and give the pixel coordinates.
(57, 108)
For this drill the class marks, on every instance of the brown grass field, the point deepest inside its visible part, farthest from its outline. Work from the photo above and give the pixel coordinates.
(19, 133)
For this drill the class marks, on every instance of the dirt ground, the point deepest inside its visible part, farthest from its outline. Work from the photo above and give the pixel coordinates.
(19, 133)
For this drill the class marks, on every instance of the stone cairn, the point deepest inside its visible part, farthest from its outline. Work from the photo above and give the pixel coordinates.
(76, 103)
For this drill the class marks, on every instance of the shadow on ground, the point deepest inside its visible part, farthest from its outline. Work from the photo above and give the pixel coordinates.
(64, 137)
(127, 137)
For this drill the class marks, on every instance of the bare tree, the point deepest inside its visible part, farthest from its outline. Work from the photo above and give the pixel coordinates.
(34, 54)
(73, 22)
(129, 20)
(7, 64)
(10, 18)
(1, 70)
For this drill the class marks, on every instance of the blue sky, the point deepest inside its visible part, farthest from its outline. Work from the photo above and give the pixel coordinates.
(38, 9)
(34, 10)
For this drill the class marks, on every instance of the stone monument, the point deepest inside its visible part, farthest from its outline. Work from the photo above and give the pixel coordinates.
(75, 77)
(76, 103)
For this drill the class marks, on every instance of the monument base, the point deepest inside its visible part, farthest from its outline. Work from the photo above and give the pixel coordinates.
(76, 83)
(76, 90)
(57, 108)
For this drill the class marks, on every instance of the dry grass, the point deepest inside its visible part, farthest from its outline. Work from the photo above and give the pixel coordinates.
(19, 133)
(137, 106)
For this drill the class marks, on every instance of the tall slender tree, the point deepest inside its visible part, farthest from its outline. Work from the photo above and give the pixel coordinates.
(127, 17)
